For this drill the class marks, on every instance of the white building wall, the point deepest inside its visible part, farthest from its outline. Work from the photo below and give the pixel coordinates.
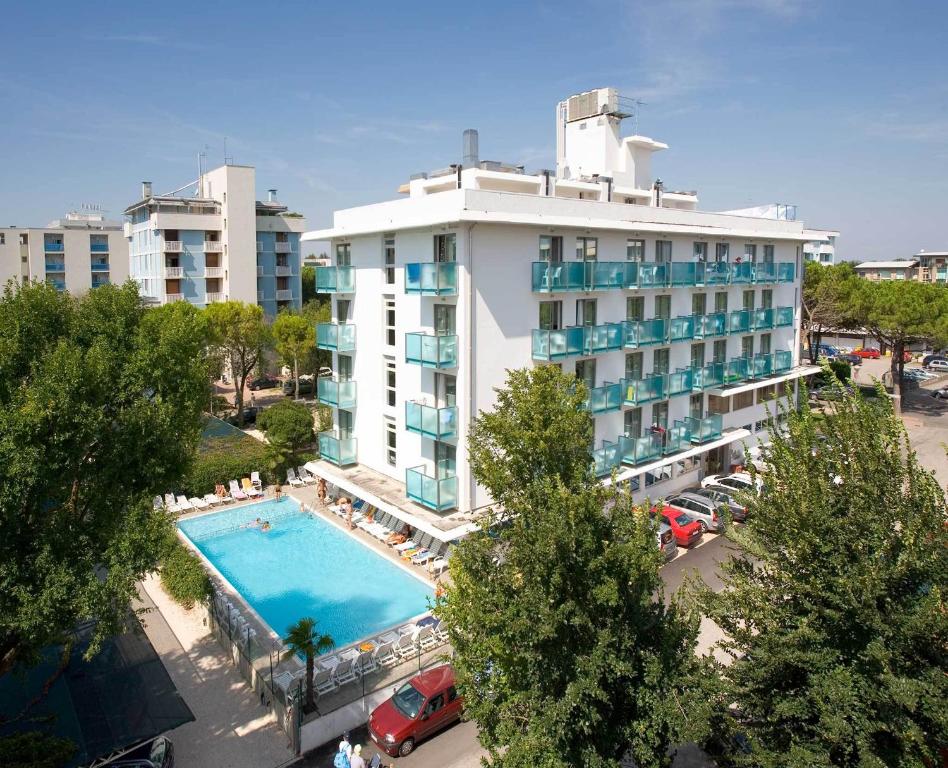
(233, 187)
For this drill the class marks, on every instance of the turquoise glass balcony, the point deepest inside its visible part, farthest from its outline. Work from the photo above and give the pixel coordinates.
(430, 351)
(53, 247)
(558, 344)
(638, 450)
(606, 275)
(607, 458)
(99, 247)
(704, 430)
(438, 278)
(742, 273)
(338, 394)
(708, 376)
(687, 273)
(100, 266)
(739, 321)
(737, 371)
(602, 338)
(638, 391)
(340, 337)
(677, 438)
(606, 398)
(763, 319)
(645, 333)
(55, 266)
(341, 451)
(557, 276)
(426, 420)
(334, 279)
(786, 272)
(765, 272)
(681, 328)
(708, 326)
(652, 275)
(783, 316)
(761, 366)
(783, 361)
(680, 382)
(437, 493)
(716, 273)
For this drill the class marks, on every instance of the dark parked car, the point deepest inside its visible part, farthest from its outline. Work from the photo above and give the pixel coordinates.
(157, 753)
(307, 387)
(250, 416)
(928, 358)
(849, 357)
(264, 382)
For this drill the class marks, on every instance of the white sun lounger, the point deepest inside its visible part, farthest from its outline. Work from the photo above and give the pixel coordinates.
(292, 479)
(437, 565)
(410, 544)
(344, 672)
(323, 682)
(197, 503)
(426, 638)
(305, 475)
(235, 491)
(405, 646)
(365, 663)
(385, 656)
(183, 502)
(249, 488)
(170, 504)
(212, 499)
(255, 480)
(157, 503)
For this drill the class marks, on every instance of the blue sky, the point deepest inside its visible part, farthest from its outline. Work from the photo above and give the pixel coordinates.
(839, 107)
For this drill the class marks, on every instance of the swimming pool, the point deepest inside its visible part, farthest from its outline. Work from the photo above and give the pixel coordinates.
(304, 566)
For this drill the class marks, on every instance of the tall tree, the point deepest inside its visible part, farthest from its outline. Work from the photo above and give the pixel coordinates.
(308, 276)
(100, 409)
(238, 334)
(293, 337)
(827, 301)
(565, 651)
(835, 612)
(315, 312)
(303, 638)
(289, 428)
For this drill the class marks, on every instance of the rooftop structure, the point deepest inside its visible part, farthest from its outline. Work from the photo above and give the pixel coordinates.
(900, 269)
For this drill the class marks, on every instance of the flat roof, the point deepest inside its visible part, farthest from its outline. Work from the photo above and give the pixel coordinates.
(900, 264)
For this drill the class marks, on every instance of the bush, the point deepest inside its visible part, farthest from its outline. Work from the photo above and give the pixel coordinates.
(223, 459)
(35, 750)
(288, 424)
(183, 576)
(842, 369)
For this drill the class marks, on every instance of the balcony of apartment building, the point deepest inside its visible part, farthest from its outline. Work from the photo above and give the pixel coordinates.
(338, 449)
(53, 244)
(433, 278)
(335, 279)
(284, 292)
(282, 267)
(171, 242)
(337, 337)
(435, 489)
(214, 290)
(212, 243)
(336, 392)
(282, 246)
(99, 243)
(100, 279)
(174, 290)
(436, 423)
(438, 350)
(550, 345)
(213, 267)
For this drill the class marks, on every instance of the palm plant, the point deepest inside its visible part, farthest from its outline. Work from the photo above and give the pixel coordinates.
(303, 637)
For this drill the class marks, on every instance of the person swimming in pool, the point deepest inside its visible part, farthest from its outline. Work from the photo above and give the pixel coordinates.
(266, 526)
(252, 524)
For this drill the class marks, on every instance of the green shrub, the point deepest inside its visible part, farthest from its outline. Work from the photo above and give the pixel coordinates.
(183, 576)
(223, 459)
(842, 369)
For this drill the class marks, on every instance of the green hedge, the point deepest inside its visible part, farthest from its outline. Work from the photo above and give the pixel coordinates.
(224, 459)
(183, 576)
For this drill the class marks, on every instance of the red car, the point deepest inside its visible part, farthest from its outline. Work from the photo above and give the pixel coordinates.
(421, 707)
(687, 531)
(868, 354)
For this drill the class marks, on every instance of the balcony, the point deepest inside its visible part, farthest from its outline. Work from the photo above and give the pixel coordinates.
(763, 319)
(259, 247)
(340, 337)
(279, 247)
(739, 321)
(170, 297)
(607, 275)
(59, 285)
(100, 266)
(558, 276)
(742, 273)
(213, 271)
(259, 295)
(708, 376)
(432, 278)
(708, 326)
(439, 494)
(652, 275)
(429, 421)
(213, 246)
(638, 450)
(341, 451)
(174, 273)
(259, 270)
(214, 298)
(681, 328)
(431, 351)
(100, 280)
(765, 272)
(607, 458)
(786, 272)
(687, 273)
(284, 294)
(605, 398)
(333, 279)
(335, 392)
(716, 273)
(737, 370)
(783, 361)
(704, 430)
(681, 382)
(645, 333)
(282, 271)
(677, 437)
(55, 266)
(549, 345)
(173, 246)
(783, 317)
(761, 366)
(50, 247)
(638, 391)
(99, 247)
(607, 337)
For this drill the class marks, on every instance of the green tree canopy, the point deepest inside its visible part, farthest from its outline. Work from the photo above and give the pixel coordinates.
(289, 428)
(100, 409)
(827, 301)
(308, 277)
(835, 612)
(238, 335)
(316, 312)
(294, 337)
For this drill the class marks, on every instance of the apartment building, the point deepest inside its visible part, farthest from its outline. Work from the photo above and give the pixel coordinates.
(900, 269)
(822, 247)
(212, 240)
(80, 251)
(932, 267)
(682, 324)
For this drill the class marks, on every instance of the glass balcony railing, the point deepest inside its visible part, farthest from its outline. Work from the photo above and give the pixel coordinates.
(100, 266)
(677, 438)
(687, 273)
(653, 275)
(99, 247)
(607, 458)
(644, 333)
(638, 450)
(340, 337)
(761, 366)
(786, 272)
(437, 493)
(438, 278)
(708, 376)
(638, 391)
(338, 394)
(742, 273)
(765, 272)
(763, 319)
(605, 398)
(681, 382)
(553, 277)
(681, 328)
(341, 451)
(429, 421)
(783, 317)
(559, 344)
(717, 273)
(53, 247)
(602, 338)
(703, 430)
(431, 351)
(606, 275)
(737, 371)
(783, 361)
(707, 326)
(739, 321)
(334, 279)
(55, 266)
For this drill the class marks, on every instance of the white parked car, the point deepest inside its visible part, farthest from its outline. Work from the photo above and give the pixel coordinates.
(941, 366)
(739, 481)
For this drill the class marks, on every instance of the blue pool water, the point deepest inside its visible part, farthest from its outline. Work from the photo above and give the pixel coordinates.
(305, 566)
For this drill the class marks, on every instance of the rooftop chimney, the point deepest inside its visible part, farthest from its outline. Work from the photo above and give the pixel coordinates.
(470, 157)
(271, 195)
(146, 190)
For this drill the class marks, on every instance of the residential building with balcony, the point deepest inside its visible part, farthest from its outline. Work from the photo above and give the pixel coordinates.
(900, 269)
(932, 267)
(80, 251)
(822, 248)
(212, 240)
(682, 324)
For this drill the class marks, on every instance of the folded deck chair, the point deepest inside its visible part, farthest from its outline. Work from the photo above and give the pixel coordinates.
(212, 499)
(248, 487)
(405, 646)
(292, 479)
(385, 655)
(305, 475)
(198, 503)
(235, 491)
(366, 663)
(344, 673)
(255, 480)
(183, 502)
(323, 682)
(170, 504)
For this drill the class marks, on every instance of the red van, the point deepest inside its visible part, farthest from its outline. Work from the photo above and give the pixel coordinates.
(420, 708)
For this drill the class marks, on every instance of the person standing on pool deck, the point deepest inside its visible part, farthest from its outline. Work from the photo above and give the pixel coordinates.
(356, 760)
(321, 490)
(347, 508)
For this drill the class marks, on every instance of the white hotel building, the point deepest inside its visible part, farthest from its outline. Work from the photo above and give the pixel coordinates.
(683, 324)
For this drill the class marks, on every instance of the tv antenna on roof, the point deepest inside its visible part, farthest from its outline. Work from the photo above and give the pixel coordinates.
(631, 105)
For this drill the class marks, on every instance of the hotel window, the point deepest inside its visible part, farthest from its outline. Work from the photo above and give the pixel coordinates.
(660, 360)
(719, 355)
(344, 365)
(344, 254)
(585, 312)
(444, 319)
(699, 303)
(446, 390)
(750, 253)
(389, 254)
(390, 321)
(747, 346)
(768, 254)
(717, 404)
(586, 248)
(663, 306)
(632, 422)
(345, 423)
(551, 249)
(3, 238)
(390, 381)
(342, 310)
(633, 366)
(696, 406)
(697, 355)
(660, 415)
(766, 393)
(766, 298)
(720, 301)
(765, 343)
(635, 308)
(701, 252)
(445, 247)
(663, 251)
(743, 400)
(635, 250)
(551, 315)
(390, 441)
(721, 251)
(586, 372)
(748, 297)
